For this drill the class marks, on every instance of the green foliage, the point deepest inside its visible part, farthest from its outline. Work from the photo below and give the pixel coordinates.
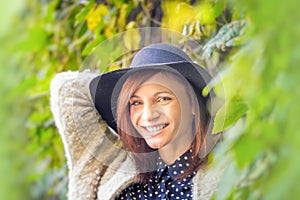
(255, 45)
(12, 159)
(263, 73)
(227, 36)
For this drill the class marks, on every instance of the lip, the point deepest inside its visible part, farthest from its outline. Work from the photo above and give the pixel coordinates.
(154, 130)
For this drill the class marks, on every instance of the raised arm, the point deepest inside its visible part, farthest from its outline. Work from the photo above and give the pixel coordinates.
(90, 145)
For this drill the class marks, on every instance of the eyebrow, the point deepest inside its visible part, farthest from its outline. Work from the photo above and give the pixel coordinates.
(155, 94)
(158, 93)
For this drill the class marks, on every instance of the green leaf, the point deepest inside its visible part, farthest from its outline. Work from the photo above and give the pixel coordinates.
(34, 40)
(218, 8)
(229, 114)
(246, 149)
(91, 45)
(284, 182)
(80, 17)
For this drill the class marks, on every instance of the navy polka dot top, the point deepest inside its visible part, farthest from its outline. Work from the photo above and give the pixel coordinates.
(164, 184)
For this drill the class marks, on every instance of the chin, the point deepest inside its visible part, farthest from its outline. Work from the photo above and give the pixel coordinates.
(155, 145)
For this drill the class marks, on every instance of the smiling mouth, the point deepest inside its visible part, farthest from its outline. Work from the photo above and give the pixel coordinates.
(154, 129)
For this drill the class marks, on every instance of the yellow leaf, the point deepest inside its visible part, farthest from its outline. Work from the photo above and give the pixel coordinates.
(102, 10)
(131, 25)
(109, 32)
(177, 14)
(122, 17)
(205, 13)
(110, 29)
(94, 16)
(132, 37)
(113, 67)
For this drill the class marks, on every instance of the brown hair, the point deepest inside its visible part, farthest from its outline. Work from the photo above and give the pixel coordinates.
(144, 156)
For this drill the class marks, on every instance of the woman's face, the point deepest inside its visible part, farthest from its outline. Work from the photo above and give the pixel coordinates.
(160, 111)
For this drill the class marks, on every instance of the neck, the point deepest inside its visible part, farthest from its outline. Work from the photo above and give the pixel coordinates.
(174, 150)
(169, 156)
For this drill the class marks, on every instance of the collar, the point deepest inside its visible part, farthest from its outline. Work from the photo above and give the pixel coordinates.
(178, 167)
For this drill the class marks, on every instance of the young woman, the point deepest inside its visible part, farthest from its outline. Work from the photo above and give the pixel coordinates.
(162, 122)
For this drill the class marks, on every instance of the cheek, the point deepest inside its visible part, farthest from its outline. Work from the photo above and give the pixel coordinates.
(175, 111)
(133, 116)
(131, 113)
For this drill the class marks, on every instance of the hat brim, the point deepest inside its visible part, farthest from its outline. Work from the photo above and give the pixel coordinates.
(107, 86)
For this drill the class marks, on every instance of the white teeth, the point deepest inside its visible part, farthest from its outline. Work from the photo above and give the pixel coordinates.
(154, 128)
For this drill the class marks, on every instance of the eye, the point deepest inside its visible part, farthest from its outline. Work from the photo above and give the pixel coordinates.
(162, 99)
(135, 103)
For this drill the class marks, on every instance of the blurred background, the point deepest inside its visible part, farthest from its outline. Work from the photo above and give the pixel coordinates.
(254, 44)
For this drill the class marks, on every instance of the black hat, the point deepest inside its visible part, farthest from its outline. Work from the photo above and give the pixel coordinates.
(106, 87)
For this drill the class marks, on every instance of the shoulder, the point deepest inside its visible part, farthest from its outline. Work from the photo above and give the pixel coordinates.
(117, 178)
(206, 181)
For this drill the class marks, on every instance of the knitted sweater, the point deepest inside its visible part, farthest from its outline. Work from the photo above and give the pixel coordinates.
(98, 166)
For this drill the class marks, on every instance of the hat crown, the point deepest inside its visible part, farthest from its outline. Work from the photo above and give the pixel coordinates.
(159, 54)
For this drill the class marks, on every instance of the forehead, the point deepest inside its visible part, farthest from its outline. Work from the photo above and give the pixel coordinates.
(151, 89)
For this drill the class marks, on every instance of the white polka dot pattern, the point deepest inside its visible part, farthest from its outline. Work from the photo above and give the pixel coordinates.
(164, 184)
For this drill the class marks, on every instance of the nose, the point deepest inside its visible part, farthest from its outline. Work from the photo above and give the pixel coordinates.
(150, 113)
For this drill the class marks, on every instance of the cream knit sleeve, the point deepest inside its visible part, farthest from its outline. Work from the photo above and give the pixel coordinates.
(90, 145)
